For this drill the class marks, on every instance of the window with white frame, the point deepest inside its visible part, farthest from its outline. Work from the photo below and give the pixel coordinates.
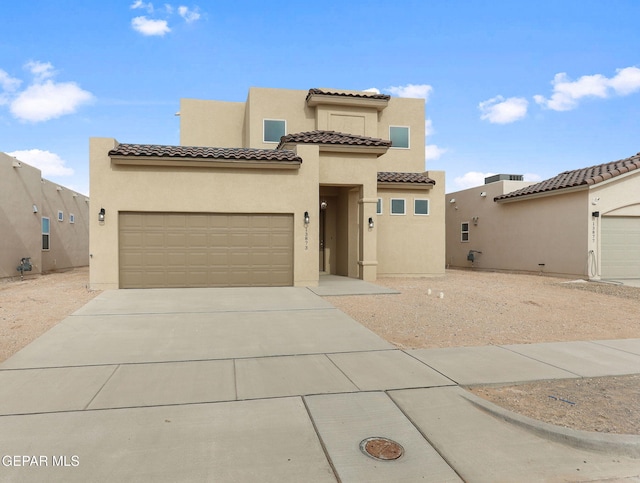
(60, 216)
(464, 231)
(273, 130)
(420, 206)
(397, 206)
(399, 136)
(379, 206)
(46, 232)
(72, 218)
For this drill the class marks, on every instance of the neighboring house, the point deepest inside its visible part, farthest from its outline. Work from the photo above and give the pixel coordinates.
(41, 220)
(271, 191)
(583, 223)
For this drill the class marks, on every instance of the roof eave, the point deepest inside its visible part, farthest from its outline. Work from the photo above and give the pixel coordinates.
(339, 148)
(543, 194)
(327, 99)
(203, 162)
(405, 185)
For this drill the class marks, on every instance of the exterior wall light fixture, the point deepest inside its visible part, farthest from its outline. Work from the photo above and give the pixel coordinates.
(370, 222)
(306, 217)
(452, 200)
(483, 194)
(101, 214)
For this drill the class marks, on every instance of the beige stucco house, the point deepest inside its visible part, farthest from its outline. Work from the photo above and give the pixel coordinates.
(583, 223)
(41, 220)
(270, 191)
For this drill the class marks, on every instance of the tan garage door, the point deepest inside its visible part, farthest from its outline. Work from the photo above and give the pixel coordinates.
(620, 247)
(205, 250)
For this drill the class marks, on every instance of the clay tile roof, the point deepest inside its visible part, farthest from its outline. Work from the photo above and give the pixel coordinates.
(578, 177)
(392, 177)
(332, 137)
(363, 95)
(161, 151)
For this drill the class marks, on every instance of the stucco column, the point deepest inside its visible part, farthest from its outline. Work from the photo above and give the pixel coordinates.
(368, 261)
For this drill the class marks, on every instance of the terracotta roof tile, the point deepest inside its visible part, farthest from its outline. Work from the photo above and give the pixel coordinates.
(332, 137)
(393, 177)
(363, 95)
(162, 151)
(578, 177)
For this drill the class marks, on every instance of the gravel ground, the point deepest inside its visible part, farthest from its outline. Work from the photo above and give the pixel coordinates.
(476, 308)
(488, 308)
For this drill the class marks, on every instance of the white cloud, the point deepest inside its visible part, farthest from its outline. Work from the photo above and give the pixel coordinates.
(432, 152)
(532, 177)
(421, 91)
(40, 70)
(499, 110)
(150, 27)
(140, 4)
(372, 90)
(470, 180)
(626, 81)
(428, 127)
(44, 98)
(9, 85)
(187, 14)
(567, 93)
(49, 163)
(49, 100)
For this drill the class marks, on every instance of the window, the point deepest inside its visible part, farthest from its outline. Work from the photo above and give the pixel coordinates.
(420, 207)
(464, 232)
(399, 136)
(72, 218)
(379, 206)
(397, 206)
(60, 216)
(45, 233)
(273, 130)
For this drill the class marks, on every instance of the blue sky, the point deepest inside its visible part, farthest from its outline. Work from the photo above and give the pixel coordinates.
(531, 88)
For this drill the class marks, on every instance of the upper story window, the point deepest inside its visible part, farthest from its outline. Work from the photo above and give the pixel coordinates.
(72, 218)
(60, 216)
(420, 206)
(379, 206)
(399, 136)
(273, 130)
(464, 231)
(397, 206)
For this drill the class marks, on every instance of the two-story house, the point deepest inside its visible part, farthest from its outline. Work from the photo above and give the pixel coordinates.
(270, 191)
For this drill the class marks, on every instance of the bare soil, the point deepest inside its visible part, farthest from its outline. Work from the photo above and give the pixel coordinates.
(469, 308)
(475, 308)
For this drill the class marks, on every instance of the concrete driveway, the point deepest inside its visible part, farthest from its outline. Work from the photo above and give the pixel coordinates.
(274, 384)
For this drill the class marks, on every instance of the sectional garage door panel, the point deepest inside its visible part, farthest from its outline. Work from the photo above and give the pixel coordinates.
(205, 250)
(620, 247)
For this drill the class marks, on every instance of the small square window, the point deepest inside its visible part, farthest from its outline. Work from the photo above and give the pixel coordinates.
(464, 232)
(379, 206)
(72, 218)
(420, 207)
(399, 136)
(60, 216)
(45, 233)
(397, 206)
(273, 130)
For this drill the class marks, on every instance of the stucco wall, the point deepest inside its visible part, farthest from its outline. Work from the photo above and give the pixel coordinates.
(211, 123)
(20, 189)
(69, 242)
(21, 228)
(412, 245)
(205, 190)
(519, 236)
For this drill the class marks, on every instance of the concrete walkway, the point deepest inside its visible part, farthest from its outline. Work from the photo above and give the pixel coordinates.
(275, 384)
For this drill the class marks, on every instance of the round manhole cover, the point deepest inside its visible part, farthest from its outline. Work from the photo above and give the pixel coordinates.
(381, 448)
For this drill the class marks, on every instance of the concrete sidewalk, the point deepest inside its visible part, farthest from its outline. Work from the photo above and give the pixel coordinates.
(275, 384)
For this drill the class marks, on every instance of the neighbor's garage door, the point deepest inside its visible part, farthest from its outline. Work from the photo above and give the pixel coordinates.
(620, 247)
(205, 250)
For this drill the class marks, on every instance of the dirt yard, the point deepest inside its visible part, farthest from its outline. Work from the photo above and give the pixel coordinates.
(476, 308)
